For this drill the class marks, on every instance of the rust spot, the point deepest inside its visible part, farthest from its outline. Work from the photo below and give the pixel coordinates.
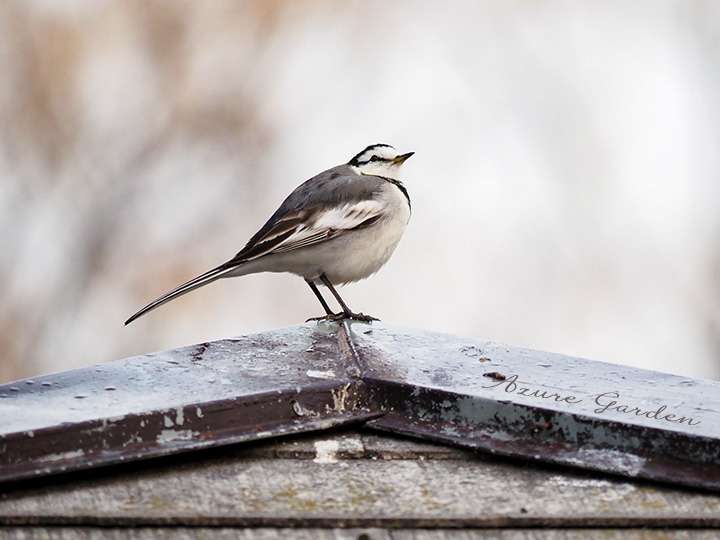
(495, 375)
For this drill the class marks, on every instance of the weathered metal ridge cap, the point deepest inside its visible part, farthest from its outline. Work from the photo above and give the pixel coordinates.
(475, 394)
(205, 395)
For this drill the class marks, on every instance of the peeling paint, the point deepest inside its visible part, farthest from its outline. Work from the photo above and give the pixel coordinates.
(340, 396)
(326, 451)
(62, 456)
(315, 374)
(170, 435)
(613, 460)
(302, 411)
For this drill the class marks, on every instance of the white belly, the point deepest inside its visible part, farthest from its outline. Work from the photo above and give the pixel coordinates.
(365, 251)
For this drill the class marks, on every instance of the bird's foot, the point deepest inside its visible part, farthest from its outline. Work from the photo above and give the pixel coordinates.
(329, 317)
(360, 317)
(335, 317)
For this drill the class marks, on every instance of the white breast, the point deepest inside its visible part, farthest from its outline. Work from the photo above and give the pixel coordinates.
(365, 251)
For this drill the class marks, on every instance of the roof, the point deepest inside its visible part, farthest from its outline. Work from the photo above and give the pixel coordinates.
(304, 427)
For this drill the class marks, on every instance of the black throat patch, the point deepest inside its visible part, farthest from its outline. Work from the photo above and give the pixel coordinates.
(401, 187)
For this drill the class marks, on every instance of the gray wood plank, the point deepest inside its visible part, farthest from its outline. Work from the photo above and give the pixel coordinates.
(354, 444)
(347, 445)
(328, 492)
(392, 447)
(188, 533)
(555, 534)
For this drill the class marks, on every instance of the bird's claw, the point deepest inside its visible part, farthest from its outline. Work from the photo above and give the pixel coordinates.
(329, 317)
(335, 317)
(362, 317)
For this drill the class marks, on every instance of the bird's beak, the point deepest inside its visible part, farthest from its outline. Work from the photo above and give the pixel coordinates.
(401, 158)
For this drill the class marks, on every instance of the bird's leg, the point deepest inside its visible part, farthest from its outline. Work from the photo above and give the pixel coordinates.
(329, 285)
(329, 315)
(347, 313)
(314, 288)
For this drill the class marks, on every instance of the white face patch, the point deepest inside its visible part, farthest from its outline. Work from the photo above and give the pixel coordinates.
(378, 168)
(386, 152)
(377, 160)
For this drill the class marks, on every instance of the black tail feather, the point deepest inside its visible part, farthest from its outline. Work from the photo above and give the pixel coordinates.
(199, 281)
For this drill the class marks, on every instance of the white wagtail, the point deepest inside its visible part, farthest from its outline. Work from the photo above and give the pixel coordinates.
(338, 227)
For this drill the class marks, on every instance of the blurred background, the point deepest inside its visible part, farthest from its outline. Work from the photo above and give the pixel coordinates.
(565, 184)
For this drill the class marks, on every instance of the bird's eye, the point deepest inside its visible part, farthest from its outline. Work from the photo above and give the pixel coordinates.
(375, 158)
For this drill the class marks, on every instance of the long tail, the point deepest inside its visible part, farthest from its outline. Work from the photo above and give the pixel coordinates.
(203, 279)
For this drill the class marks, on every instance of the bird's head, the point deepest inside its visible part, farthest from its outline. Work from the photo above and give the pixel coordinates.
(379, 160)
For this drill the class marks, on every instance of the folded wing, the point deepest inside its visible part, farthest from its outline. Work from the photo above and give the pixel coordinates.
(311, 227)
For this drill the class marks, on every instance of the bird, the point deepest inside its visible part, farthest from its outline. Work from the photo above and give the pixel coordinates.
(338, 227)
